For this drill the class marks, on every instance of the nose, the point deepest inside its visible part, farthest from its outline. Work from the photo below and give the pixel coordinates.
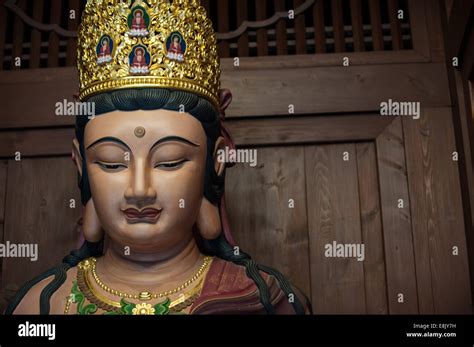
(140, 191)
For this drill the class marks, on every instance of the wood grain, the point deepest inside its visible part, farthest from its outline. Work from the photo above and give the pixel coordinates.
(398, 238)
(437, 218)
(281, 36)
(263, 223)
(419, 29)
(310, 89)
(357, 31)
(246, 132)
(337, 284)
(3, 194)
(319, 30)
(53, 45)
(395, 29)
(243, 42)
(262, 37)
(37, 211)
(371, 226)
(435, 29)
(376, 23)
(72, 25)
(300, 29)
(223, 26)
(338, 26)
(38, 8)
(18, 30)
(3, 33)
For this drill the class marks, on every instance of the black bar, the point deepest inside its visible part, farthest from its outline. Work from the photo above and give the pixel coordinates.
(329, 329)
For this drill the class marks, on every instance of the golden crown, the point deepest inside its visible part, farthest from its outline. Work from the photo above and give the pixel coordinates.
(147, 44)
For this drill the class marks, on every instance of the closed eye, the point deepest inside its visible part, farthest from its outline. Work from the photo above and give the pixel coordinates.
(170, 165)
(111, 166)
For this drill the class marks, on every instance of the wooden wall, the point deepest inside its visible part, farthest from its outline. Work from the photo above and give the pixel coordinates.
(409, 249)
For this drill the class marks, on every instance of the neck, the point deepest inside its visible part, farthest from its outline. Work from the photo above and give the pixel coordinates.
(157, 270)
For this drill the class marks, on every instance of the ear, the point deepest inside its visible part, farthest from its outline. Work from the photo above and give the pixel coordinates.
(91, 227)
(209, 220)
(220, 146)
(76, 156)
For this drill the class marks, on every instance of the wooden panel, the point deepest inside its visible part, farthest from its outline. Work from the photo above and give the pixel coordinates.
(72, 25)
(38, 7)
(259, 213)
(467, 60)
(41, 90)
(458, 24)
(320, 60)
(37, 211)
(395, 25)
(300, 29)
(262, 37)
(419, 30)
(337, 284)
(18, 28)
(243, 42)
(281, 38)
(308, 89)
(223, 26)
(319, 31)
(246, 132)
(398, 240)
(3, 194)
(436, 34)
(371, 225)
(437, 214)
(311, 90)
(53, 45)
(356, 19)
(376, 23)
(3, 33)
(338, 26)
(42, 142)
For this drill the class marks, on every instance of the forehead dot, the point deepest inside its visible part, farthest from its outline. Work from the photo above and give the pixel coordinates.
(139, 131)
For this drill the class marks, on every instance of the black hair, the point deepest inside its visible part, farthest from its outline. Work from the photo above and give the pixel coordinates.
(200, 108)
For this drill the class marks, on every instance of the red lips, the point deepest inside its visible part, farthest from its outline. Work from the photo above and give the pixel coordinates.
(147, 214)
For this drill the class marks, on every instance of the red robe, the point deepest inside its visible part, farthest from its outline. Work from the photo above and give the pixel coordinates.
(228, 290)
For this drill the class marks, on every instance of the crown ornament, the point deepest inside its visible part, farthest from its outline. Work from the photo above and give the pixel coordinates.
(125, 44)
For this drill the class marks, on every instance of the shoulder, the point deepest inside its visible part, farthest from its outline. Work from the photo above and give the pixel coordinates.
(30, 304)
(228, 289)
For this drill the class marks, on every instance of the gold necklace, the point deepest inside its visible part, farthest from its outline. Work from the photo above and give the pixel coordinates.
(145, 295)
(86, 288)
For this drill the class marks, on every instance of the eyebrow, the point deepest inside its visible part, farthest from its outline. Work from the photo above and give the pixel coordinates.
(164, 139)
(109, 139)
(174, 138)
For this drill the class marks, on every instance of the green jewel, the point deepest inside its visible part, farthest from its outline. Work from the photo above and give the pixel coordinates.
(78, 298)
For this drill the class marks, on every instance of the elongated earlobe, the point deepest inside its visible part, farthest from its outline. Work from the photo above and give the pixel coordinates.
(208, 220)
(91, 227)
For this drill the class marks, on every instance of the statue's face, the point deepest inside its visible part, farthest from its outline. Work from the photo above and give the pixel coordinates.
(161, 170)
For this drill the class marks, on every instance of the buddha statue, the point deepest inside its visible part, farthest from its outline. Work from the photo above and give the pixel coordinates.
(156, 236)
